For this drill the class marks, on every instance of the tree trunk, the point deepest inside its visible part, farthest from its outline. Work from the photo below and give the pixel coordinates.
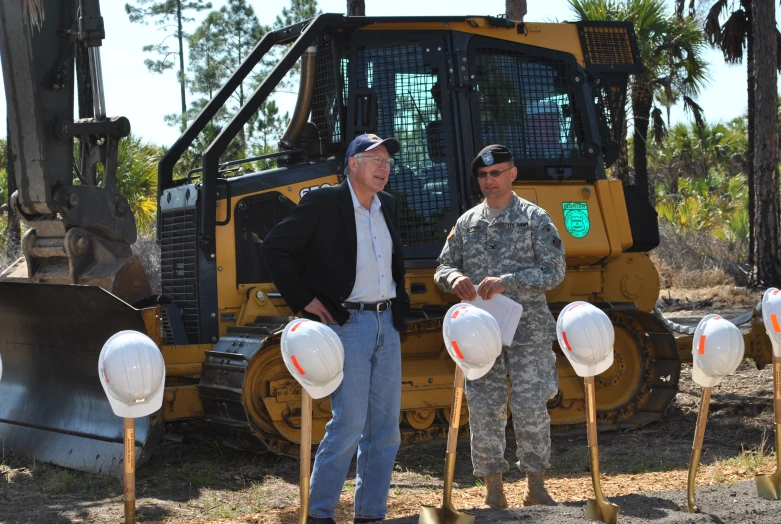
(515, 10)
(356, 8)
(181, 63)
(750, 152)
(642, 100)
(13, 238)
(766, 143)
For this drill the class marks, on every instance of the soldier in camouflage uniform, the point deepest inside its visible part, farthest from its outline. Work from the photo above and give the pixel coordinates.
(508, 245)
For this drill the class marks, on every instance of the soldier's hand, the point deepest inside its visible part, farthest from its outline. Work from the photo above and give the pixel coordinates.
(317, 308)
(464, 289)
(490, 286)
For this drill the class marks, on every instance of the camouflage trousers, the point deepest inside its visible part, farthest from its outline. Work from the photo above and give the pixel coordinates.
(533, 380)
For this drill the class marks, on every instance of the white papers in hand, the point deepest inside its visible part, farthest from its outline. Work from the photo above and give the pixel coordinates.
(506, 311)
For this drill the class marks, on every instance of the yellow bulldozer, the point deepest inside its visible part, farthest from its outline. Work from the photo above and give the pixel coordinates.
(444, 87)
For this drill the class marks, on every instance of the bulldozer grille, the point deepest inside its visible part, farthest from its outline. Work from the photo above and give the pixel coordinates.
(608, 45)
(527, 104)
(178, 255)
(408, 97)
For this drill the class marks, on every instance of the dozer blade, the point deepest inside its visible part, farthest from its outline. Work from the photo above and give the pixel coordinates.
(52, 405)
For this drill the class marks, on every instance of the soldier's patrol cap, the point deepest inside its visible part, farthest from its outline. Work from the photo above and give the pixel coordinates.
(490, 155)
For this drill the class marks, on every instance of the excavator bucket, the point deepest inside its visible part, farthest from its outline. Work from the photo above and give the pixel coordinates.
(52, 405)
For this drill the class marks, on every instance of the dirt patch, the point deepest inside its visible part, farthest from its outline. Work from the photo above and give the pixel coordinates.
(198, 480)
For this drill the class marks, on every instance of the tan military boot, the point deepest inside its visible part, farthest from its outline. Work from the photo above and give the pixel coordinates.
(494, 497)
(535, 490)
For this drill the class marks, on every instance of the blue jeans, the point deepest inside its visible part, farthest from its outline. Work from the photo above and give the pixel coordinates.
(365, 410)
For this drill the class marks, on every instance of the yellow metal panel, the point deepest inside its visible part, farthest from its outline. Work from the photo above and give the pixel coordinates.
(622, 217)
(584, 283)
(180, 402)
(608, 217)
(632, 277)
(558, 37)
(184, 360)
(229, 296)
(593, 247)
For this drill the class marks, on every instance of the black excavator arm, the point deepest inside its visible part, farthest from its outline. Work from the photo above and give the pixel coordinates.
(52, 406)
(80, 233)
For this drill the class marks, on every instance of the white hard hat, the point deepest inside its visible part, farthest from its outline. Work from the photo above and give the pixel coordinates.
(717, 350)
(771, 314)
(472, 338)
(132, 372)
(314, 355)
(586, 337)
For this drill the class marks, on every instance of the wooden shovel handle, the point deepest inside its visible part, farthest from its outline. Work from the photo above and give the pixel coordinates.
(305, 453)
(702, 418)
(455, 413)
(591, 412)
(777, 388)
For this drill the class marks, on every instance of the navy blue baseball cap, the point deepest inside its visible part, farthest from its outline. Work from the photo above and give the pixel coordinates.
(490, 155)
(368, 142)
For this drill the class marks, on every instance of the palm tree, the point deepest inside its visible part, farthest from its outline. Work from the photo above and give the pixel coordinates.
(728, 28)
(672, 49)
(766, 191)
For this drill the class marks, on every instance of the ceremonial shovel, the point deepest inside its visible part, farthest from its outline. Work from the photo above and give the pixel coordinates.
(699, 435)
(598, 508)
(305, 453)
(447, 514)
(769, 486)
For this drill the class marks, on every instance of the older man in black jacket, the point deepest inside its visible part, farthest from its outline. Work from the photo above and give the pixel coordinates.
(338, 257)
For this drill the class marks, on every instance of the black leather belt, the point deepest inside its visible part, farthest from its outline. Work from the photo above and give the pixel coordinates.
(366, 306)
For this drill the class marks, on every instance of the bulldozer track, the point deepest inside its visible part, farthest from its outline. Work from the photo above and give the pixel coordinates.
(239, 373)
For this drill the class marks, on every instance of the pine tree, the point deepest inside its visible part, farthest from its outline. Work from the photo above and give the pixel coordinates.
(162, 12)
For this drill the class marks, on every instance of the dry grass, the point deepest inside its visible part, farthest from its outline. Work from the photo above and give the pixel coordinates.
(692, 260)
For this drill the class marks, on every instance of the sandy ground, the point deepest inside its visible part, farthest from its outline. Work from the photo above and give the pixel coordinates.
(644, 471)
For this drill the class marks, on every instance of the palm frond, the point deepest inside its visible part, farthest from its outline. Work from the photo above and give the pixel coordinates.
(695, 109)
(733, 38)
(659, 125)
(712, 26)
(33, 12)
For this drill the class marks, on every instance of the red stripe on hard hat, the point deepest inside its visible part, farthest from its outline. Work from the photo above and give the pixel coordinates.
(458, 351)
(774, 320)
(298, 367)
(295, 326)
(776, 292)
(702, 345)
(566, 342)
(455, 313)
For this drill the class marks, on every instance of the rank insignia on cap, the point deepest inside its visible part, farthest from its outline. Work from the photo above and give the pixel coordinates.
(488, 158)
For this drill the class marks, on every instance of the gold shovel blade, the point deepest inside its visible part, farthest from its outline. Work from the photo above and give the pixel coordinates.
(606, 512)
(444, 515)
(769, 486)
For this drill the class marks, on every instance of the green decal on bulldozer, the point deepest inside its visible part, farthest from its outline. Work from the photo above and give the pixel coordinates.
(576, 218)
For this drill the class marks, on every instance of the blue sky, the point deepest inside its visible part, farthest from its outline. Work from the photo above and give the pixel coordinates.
(144, 97)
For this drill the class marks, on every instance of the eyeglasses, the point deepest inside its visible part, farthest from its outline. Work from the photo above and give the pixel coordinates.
(494, 174)
(379, 160)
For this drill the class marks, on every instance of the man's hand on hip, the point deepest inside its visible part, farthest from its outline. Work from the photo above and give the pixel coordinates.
(317, 308)
(464, 289)
(490, 286)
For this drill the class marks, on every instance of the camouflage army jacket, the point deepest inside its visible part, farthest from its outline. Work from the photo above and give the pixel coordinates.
(521, 246)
